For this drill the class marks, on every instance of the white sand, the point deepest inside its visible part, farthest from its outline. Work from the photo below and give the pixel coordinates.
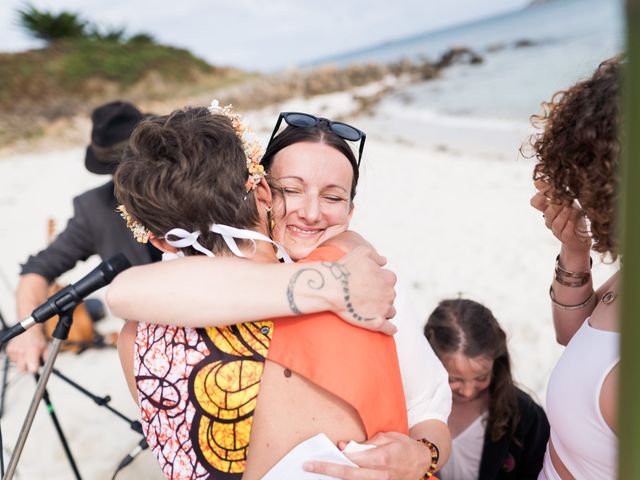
(448, 206)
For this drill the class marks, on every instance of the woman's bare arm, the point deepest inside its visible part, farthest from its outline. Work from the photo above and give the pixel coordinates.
(201, 292)
(570, 305)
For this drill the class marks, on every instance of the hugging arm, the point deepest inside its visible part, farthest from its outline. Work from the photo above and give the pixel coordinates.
(428, 396)
(202, 292)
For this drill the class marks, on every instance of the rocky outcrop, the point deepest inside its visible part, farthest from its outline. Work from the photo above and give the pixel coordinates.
(330, 78)
(458, 55)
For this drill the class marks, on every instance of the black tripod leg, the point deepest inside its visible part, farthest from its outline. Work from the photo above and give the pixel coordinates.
(5, 370)
(58, 427)
(3, 383)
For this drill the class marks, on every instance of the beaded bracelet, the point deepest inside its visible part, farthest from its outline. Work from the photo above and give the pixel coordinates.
(564, 306)
(435, 456)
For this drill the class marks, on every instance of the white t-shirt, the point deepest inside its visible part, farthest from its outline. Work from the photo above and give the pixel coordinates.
(466, 452)
(424, 378)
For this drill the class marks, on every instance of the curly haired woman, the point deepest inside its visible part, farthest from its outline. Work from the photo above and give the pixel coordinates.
(577, 180)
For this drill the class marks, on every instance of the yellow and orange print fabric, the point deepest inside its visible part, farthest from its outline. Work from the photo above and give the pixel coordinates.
(225, 393)
(197, 392)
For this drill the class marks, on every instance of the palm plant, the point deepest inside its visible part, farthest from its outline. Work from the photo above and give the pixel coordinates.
(51, 26)
(112, 34)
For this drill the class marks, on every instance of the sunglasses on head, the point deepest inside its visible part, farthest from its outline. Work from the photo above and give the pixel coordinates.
(306, 120)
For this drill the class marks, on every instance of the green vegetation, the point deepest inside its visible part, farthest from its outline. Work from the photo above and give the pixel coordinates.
(50, 26)
(125, 63)
(84, 65)
(83, 60)
(53, 27)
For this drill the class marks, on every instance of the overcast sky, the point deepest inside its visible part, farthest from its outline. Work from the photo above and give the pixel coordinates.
(263, 34)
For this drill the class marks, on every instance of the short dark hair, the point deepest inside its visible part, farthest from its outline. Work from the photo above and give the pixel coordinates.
(318, 134)
(186, 170)
(468, 327)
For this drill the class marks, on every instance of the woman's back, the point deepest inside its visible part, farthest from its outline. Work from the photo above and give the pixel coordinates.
(290, 410)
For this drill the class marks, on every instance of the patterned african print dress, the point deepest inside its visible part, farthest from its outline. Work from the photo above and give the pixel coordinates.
(197, 391)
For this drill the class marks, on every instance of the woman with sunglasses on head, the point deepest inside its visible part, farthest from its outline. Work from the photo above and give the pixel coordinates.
(578, 181)
(313, 173)
(227, 403)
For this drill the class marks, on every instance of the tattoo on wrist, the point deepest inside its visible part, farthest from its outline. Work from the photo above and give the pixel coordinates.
(315, 282)
(341, 272)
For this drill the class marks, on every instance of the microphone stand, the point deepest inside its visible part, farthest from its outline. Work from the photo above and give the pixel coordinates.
(58, 427)
(5, 377)
(135, 425)
(60, 334)
(5, 368)
(46, 399)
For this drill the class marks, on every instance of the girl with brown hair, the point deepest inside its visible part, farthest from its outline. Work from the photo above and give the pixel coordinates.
(498, 431)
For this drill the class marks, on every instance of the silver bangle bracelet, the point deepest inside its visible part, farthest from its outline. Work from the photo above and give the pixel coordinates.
(569, 307)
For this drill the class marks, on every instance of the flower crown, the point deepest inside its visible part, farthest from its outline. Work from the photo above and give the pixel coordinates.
(252, 148)
(140, 232)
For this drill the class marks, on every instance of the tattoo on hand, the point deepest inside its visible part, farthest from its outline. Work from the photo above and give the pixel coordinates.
(316, 282)
(341, 272)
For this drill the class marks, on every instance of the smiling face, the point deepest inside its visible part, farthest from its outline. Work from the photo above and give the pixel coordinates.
(313, 203)
(469, 378)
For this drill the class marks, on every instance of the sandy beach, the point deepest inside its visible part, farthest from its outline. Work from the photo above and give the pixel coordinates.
(447, 204)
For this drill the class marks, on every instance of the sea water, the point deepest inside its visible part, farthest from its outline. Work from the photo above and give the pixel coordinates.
(562, 41)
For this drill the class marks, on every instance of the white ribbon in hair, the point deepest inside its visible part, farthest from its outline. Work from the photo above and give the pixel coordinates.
(229, 234)
(186, 239)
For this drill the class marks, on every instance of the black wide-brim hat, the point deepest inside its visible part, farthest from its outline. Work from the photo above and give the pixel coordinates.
(113, 124)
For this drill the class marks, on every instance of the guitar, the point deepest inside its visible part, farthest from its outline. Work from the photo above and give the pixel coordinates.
(82, 333)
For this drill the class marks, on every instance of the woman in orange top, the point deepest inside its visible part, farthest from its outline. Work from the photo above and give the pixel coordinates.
(314, 174)
(183, 183)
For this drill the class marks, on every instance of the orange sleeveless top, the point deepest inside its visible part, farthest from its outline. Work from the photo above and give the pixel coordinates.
(357, 365)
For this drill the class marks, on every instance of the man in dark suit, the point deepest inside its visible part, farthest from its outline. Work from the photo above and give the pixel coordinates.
(95, 228)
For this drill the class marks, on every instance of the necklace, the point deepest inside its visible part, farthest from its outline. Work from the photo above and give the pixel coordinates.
(609, 297)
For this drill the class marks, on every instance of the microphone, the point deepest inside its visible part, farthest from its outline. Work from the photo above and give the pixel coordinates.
(70, 296)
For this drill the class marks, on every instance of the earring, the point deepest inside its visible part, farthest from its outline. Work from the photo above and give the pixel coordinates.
(272, 222)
